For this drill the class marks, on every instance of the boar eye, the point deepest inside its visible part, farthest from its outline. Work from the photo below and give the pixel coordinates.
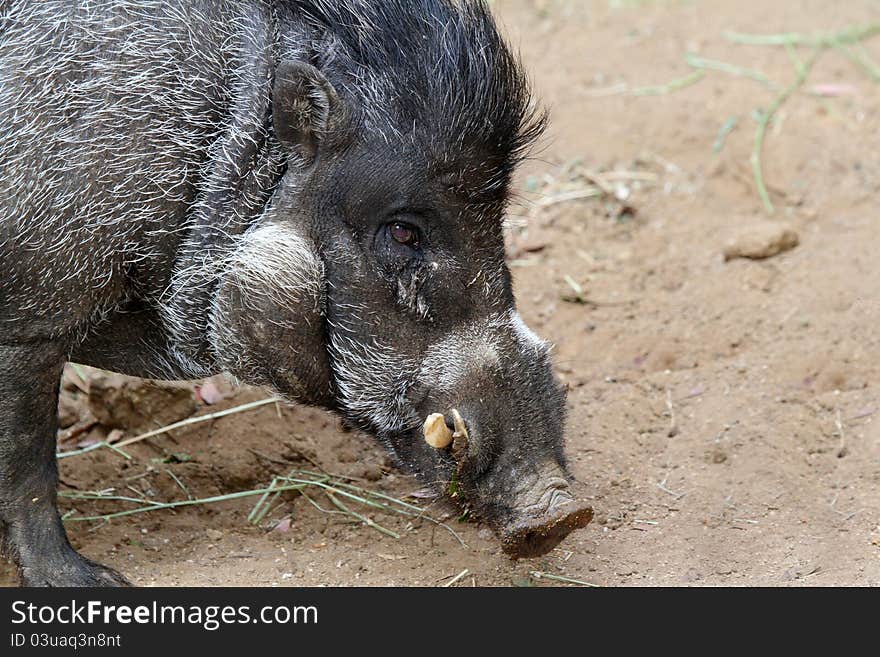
(405, 234)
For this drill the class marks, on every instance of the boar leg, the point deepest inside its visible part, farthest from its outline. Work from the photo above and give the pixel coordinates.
(33, 535)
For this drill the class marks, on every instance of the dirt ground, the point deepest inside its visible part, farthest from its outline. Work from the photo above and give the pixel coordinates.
(724, 414)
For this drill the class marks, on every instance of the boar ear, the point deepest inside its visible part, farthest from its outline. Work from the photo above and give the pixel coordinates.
(303, 105)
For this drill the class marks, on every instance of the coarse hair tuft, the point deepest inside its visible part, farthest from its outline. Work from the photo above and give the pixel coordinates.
(437, 71)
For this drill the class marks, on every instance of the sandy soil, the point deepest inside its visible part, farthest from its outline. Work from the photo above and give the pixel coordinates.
(724, 415)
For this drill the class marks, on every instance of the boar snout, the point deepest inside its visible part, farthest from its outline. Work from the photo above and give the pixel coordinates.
(536, 529)
(542, 511)
(503, 450)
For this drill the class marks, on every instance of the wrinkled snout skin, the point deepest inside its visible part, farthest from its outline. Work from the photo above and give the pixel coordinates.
(274, 191)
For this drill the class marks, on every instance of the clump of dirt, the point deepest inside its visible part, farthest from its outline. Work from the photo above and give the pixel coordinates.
(119, 402)
(762, 240)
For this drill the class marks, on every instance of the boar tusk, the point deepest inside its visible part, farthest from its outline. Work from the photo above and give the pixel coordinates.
(460, 427)
(460, 438)
(437, 434)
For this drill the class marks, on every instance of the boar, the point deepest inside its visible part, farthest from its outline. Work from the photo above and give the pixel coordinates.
(306, 194)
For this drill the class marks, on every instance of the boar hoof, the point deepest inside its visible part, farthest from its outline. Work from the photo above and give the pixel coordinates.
(77, 571)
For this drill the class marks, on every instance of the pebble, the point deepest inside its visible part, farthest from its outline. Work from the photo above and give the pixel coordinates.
(762, 240)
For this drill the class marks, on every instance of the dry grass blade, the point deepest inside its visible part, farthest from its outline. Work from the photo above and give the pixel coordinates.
(171, 427)
(825, 40)
(764, 122)
(364, 519)
(565, 197)
(161, 506)
(860, 58)
(820, 43)
(575, 182)
(670, 87)
(334, 488)
(715, 65)
(196, 420)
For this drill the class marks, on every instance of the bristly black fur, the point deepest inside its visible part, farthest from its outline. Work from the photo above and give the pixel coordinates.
(433, 71)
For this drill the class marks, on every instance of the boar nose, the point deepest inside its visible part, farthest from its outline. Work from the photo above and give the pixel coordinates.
(535, 535)
(545, 511)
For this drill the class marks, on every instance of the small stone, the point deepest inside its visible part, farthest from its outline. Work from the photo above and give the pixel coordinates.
(282, 527)
(763, 240)
(717, 456)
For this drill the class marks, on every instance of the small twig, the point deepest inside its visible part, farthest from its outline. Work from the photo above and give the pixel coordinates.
(91, 448)
(662, 486)
(261, 508)
(673, 428)
(565, 197)
(269, 459)
(405, 508)
(76, 430)
(796, 60)
(611, 176)
(366, 520)
(674, 85)
(170, 427)
(600, 182)
(179, 483)
(862, 60)
(846, 516)
(321, 473)
(537, 574)
(723, 133)
(320, 508)
(817, 570)
(463, 573)
(699, 392)
(159, 506)
(95, 528)
(102, 496)
(715, 65)
(764, 122)
(579, 295)
(841, 449)
(844, 37)
(145, 473)
(134, 490)
(861, 416)
(567, 554)
(603, 92)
